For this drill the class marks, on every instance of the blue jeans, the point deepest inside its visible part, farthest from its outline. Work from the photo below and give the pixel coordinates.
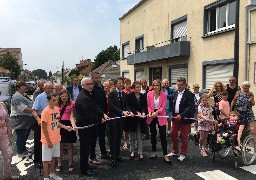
(22, 136)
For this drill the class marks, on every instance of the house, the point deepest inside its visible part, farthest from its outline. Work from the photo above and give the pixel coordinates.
(109, 70)
(85, 67)
(195, 40)
(15, 52)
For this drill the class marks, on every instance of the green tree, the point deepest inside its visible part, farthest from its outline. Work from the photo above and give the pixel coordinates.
(10, 63)
(73, 72)
(111, 53)
(40, 73)
(50, 74)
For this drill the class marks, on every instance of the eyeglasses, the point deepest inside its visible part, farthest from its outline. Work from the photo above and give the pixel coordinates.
(89, 84)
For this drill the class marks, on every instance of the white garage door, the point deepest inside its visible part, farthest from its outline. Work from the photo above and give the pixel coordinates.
(177, 73)
(218, 73)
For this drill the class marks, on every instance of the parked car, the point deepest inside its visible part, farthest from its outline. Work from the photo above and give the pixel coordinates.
(31, 87)
(6, 92)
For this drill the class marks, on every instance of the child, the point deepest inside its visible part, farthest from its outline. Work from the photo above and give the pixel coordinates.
(50, 136)
(224, 106)
(66, 109)
(204, 125)
(6, 146)
(229, 127)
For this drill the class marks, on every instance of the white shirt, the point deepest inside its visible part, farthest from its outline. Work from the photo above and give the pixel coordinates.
(143, 91)
(177, 105)
(75, 92)
(156, 103)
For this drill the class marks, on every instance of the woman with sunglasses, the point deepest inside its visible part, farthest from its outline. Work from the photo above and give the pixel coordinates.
(216, 92)
(156, 102)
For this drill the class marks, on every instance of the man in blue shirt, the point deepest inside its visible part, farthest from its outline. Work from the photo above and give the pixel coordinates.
(39, 104)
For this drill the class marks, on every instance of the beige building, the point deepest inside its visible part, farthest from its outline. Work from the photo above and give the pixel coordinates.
(194, 39)
(15, 52)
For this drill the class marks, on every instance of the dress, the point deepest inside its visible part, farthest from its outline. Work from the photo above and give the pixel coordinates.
(66, 136)
(244, 107)
(206, 110)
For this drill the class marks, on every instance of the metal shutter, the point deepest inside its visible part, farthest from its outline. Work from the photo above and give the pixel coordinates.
(126, 50)
(180, 30)
(218, 73)
(177, 73)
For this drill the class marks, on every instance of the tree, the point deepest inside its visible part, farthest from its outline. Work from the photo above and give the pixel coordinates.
(40, 73)
(73, 72)
(111, 53)
(10, 63)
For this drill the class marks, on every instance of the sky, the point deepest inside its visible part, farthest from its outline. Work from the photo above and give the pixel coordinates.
(52, 31)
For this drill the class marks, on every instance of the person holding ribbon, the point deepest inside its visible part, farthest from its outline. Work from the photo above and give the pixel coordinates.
(87, 115)
(183, 118)
(156, 102)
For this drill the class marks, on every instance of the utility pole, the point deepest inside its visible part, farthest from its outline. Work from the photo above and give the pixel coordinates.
(236, 43)
(62, 73)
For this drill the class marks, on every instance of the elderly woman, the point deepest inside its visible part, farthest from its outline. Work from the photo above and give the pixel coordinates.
(242, 103)
(156, 102)
(216, 92)
(22, 118)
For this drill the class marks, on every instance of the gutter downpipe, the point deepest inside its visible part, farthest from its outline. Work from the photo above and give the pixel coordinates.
(236, 43)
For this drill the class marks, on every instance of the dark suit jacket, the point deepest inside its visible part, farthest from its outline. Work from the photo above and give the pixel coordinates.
(186, 108)
(135, 106)
(115, 108)
(70, 90)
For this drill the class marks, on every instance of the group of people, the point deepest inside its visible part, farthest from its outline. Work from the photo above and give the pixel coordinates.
(119, 109)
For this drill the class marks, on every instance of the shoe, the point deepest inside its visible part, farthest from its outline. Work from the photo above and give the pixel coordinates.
(105, 156)
(113, 163)
(125, 147)
(182, 157)
(172, 155)
(120, 159)
(58, 169)
(153, 155)
(54, 177)
(89, 172)
(71, 168)
(167, 160)
(94, 161)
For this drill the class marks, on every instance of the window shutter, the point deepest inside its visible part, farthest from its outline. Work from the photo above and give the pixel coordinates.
(180, 30)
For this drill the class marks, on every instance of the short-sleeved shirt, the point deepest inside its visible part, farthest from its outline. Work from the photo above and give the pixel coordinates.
(68, 110)
(51, 117)
(40, 103)
(224, 105)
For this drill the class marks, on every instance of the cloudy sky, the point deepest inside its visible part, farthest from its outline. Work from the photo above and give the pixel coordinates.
(51, 31)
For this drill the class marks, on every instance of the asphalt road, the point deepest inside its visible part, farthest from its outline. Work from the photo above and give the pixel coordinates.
(193, 167)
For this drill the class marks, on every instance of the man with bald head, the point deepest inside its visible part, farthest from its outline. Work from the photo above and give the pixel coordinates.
(40, 103)
(57, 87)
(86, 113)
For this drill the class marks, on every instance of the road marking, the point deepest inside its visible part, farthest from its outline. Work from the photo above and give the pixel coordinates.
(251, 168)
(164, 178)
(216, 175)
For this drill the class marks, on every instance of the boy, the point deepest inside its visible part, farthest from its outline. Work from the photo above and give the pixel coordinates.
(50, 136)
(224, 106)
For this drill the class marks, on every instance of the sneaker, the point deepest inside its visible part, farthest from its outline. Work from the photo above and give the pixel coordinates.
(172, 155)
(94, 161)
(181, 158)
(54, 177)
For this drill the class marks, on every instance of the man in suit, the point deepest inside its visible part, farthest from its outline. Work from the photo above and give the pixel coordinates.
(75, 88)
(183, 108)
(117, 107)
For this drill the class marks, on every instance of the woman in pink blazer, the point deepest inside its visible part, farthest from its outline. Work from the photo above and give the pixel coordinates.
(156, 102)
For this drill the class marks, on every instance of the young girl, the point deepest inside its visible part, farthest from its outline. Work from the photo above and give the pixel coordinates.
(6, 146)
(66, 108)
(204, 126)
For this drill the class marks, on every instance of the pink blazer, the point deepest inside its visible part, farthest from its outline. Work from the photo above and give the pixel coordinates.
(161, 108)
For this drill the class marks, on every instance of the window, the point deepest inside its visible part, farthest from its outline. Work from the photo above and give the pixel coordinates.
(220, 16)
(177, 71)
(139, 74)
(139, 44)
(179, 29)
(125, 74)
(155, 73)
(125, 50)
